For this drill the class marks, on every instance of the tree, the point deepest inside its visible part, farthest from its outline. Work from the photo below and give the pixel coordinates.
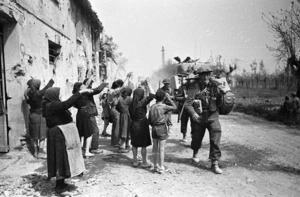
(253, 66)
(263, 72)
(285, 26)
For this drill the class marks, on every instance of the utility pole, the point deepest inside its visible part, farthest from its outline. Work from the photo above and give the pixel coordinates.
(195, 48)
(163, 56)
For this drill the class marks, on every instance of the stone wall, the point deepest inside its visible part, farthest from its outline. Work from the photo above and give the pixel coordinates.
(27, 52)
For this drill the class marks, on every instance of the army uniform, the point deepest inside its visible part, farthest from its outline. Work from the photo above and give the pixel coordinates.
(184, 91)
(171, 93)
(182, 113)
(204, 101)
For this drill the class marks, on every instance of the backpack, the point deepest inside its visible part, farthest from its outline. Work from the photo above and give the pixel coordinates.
(227, 101)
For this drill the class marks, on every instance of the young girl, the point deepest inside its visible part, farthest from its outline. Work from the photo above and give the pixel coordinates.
(140, 133)
(125, 120)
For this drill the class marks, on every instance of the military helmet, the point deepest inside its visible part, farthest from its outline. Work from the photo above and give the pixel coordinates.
(204, 69)
(191, 77)
(166, 81)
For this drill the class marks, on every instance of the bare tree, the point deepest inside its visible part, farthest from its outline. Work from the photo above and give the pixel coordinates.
(285, 26)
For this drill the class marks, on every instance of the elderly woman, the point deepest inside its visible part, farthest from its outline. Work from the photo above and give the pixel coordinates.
(140, 133)
(86, 117)
(37, 124)
(64, 156)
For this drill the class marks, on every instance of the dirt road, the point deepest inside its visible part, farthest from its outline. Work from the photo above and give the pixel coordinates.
(259, 158)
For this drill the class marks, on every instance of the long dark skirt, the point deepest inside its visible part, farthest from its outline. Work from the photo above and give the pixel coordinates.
(37, 126)
(140, 133)
(125, 122)
(115, 130)
(57, 158)
(86, 124)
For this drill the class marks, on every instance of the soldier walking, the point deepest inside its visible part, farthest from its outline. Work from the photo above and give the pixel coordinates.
(203, 110)
(183, 115)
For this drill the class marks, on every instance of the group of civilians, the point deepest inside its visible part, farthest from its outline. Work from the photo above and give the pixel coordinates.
(68, 142)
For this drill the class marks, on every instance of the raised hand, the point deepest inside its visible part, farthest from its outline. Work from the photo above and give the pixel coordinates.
(85, 91)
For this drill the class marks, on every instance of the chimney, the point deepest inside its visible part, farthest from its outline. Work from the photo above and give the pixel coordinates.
(163, 56)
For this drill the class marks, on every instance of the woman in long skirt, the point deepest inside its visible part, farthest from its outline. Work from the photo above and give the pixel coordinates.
(140, 133)
(86, 118)
(64, 156)
(37, 124)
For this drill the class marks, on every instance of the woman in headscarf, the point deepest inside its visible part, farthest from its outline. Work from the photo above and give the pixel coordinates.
(86, 118)
(125, 120)
(64, 156)
(37, 124)
(140, 133)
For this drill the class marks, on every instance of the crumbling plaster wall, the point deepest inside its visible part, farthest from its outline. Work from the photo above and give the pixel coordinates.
(27, 55)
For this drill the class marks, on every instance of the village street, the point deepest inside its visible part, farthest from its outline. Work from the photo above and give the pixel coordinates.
(259, 158)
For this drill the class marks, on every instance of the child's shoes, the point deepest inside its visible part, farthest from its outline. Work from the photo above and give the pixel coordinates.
(146, 165)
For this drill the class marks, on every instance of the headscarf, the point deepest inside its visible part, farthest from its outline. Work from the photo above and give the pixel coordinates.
(126, 92)
(33, 85)
(76, 87)
(51, 95)
(138, 95)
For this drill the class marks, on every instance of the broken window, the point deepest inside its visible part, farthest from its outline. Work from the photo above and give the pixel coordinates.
(54, 51)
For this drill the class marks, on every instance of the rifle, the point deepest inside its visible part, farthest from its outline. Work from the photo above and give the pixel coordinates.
(181, 111)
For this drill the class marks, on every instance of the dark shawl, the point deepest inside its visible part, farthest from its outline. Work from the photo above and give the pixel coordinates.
(34, 95)
(76, 87)
(56, 111)
(126, 92)
(138, 95)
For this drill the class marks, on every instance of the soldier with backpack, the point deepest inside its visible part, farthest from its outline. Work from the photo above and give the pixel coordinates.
(203, 108)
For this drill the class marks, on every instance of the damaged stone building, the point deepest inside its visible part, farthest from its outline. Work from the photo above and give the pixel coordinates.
(38, 37)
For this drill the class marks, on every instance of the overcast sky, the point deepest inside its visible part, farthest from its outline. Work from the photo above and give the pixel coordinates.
(195, 28)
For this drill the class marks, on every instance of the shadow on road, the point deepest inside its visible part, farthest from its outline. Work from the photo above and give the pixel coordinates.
(253, 159)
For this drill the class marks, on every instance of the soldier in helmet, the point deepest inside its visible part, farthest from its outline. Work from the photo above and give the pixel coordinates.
(166, 88)
(183, 115)
(202, 106)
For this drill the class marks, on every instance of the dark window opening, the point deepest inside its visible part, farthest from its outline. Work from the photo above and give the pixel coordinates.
(54, 51)
(56, 2)
(103, 71)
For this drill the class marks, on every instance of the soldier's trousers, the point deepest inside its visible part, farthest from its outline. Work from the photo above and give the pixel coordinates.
(209, 121)
(184, 121)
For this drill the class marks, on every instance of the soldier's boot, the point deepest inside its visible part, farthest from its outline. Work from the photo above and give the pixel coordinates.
(215, 167)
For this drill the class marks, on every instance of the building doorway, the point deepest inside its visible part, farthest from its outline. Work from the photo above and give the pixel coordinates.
(3, 104)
